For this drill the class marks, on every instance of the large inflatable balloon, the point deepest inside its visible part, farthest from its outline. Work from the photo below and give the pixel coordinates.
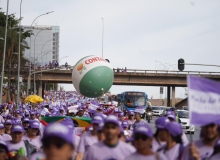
(92, 76)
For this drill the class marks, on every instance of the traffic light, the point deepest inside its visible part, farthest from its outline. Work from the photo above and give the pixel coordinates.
(181, 64)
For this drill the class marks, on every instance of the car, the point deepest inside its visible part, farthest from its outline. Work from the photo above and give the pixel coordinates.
(157, 110)
(165, 111)
(184, 118)
(185, 108)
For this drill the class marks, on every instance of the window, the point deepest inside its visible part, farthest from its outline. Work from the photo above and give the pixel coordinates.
(53, 48)
(53, 43)
(54, 52)
(54, 57)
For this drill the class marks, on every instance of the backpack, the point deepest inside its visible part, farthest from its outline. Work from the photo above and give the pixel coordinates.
(29, 148)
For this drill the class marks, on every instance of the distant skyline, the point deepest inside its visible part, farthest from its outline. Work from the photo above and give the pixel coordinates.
(137, 33)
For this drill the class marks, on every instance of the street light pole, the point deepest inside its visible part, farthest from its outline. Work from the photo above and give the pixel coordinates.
(3, 60)
(34, 59)
(30, 44)
(19, 53)
(41, 61)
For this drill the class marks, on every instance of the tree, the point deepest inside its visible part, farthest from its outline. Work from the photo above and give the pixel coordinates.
(12, 46)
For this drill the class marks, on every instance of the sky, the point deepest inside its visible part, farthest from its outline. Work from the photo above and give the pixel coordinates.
(137, 33)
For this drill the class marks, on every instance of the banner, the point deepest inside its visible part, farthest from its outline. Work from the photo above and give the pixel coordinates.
(204, 100)
(78, 122)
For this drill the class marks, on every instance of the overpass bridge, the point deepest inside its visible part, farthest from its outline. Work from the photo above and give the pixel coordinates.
(131, 77)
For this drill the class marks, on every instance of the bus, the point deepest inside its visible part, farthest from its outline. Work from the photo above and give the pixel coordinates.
(132, 99)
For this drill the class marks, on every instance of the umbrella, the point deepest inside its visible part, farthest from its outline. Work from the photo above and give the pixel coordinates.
(34, 99)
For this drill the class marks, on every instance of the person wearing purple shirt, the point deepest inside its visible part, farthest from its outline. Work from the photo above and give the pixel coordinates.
(131, 120)
(57, 143)
(159, 139)
(111, 147)
(8, 126)
(2, 119)
(89, 138)
(204, 147)
(33, 134)
(172, 134)
(139, 121)
(5, 137)
(16, 143)
(142, 141)
(216, 153)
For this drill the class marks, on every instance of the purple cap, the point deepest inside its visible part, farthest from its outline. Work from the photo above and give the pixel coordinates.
(48, 115)
(8, 121)
(17, 122)
(131, 113)
(171, 114)
(97, 118)
(121, 114)
(2, 126)
(83, 107)
(32, 113)
(125, 124)
(34, 124)
(174, 128)
(80, 110)
(161, 122)
(58, 130)
(116, 110)
(99, 108)
(26, 120)
(100, 126)
(17, 128)
(112, 119)
(17, 111)
(61, 109)
(4, 116)
(89, 129)
(145, 130)
(26, 114)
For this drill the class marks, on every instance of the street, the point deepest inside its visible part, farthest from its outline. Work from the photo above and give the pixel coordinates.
(195, 136)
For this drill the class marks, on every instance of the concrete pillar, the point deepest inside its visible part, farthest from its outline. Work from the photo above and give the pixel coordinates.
(168, 96)
(43, 89)
(173, 96)
(40, 90)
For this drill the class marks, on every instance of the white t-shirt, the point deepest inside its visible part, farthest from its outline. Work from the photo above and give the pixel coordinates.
(36, 142)
(171, 154)
(215, 157)
(137, 156)
(14, 147)
(205, 151)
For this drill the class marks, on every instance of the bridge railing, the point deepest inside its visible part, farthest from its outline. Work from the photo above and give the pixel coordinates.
(165, 71)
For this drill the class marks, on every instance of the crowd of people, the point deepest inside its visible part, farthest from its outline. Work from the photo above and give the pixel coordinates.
(113, 134)
(50, 65)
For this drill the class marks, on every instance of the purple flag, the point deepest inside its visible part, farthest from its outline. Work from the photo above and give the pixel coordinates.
(204, 100)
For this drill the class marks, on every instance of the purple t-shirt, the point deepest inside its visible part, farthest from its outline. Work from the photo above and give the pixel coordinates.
(100, 151)
(141, 123)
(86, 140)
(156, 145)
(6, 137)
(171, 154)
(205, 151)
(137, 156)
(215, 157)
(14, 147)
(36, 142)
(131, 124)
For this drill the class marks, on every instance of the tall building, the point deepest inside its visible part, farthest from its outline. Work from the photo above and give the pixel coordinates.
(44, 44)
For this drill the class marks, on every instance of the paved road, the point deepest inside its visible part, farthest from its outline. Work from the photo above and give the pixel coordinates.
(195, 136)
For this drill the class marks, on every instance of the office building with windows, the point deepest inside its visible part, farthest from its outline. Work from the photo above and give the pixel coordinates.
(44, 44)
